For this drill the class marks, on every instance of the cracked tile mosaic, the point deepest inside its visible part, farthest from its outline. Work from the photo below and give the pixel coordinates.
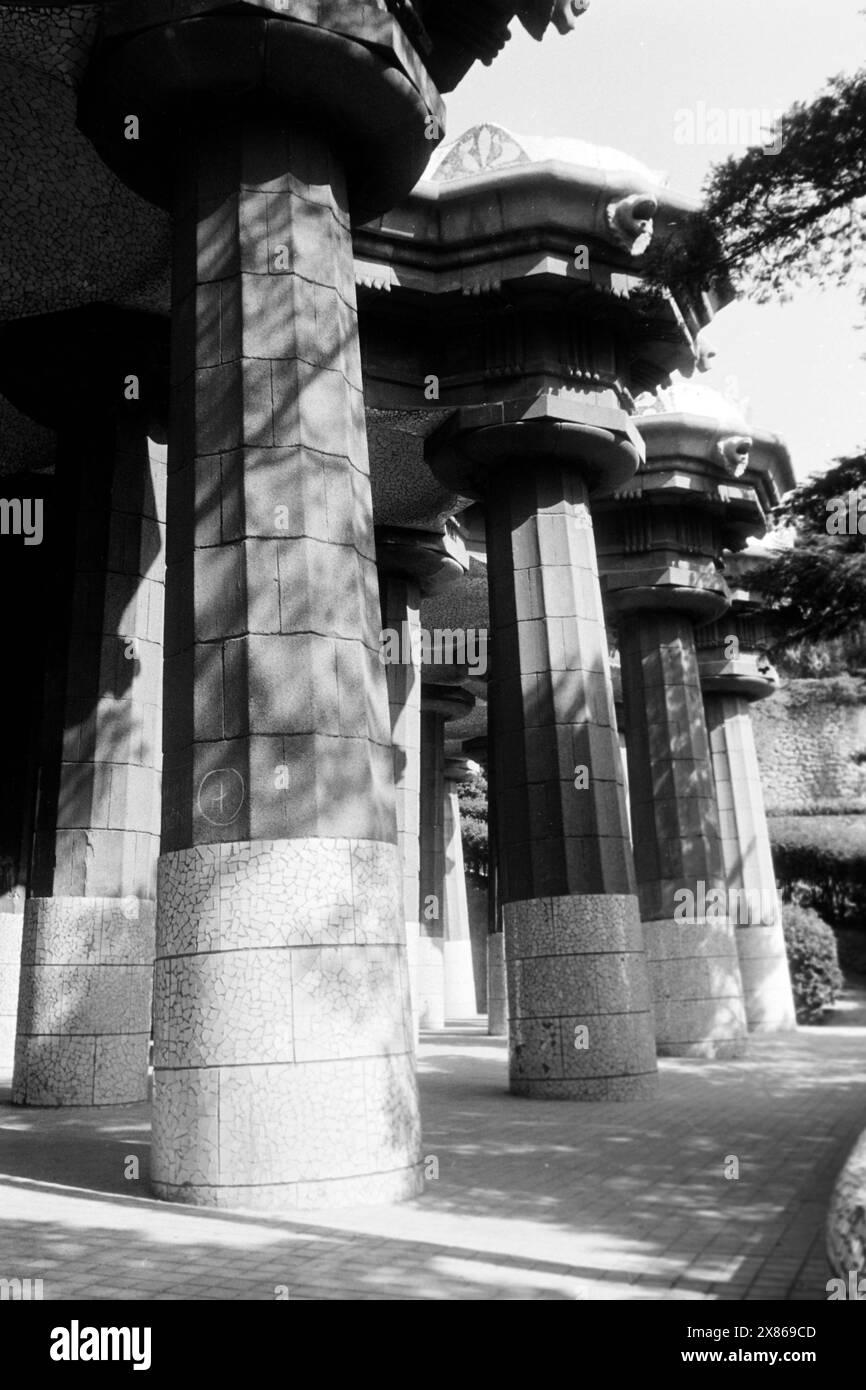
(84, 1005)
(283, 1043)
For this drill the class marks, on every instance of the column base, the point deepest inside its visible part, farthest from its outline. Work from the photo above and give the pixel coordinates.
(497, 990)
(581, 1025)
(459, 980)
(697, 988)
(85, 997)
(283, 1057)
(431, 981)
(373, 1189)
(767, 994)
(11, 930)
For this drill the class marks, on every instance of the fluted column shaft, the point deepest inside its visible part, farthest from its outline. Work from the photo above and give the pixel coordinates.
(283, 1041)
(401, 604)
(460, 999)
(748, 863)
(87, 956)
(24, 568)
(580, 1021)
(439, 703)
(678, 858)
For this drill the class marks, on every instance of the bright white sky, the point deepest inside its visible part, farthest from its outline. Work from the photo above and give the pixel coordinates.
(620, 80)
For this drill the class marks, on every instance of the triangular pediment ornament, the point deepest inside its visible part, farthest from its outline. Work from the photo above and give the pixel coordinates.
(482, 149)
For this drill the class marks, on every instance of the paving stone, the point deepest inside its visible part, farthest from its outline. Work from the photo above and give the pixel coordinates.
(621, 1202)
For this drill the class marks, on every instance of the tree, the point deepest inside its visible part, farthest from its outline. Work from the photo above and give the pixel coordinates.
(473, 820)
(778, 217)
(817, 590)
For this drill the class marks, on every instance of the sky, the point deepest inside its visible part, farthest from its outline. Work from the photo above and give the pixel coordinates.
(623, 78)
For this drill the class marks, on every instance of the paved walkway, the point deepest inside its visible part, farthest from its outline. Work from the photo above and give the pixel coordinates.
(533, 1199)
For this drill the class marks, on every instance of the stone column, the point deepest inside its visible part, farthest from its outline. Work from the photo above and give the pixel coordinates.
(401, 613)
(734, 672)
(497, 975)
(11, 932)
(460, 1000)
(23, 574)
(616, 682)
(439, 703)
(693, 959)
(581, 1022)
(283, 1043)
(282, 984)
(87, 958)
(497, 992)
(410, 564)
(661, 541)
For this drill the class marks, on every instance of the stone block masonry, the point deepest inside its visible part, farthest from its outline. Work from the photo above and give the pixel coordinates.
(283, 1049)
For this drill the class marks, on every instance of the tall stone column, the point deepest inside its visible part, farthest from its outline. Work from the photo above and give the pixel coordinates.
(734, 673)
(283, 1044)
(497, 990)
(97, 377)
(459, 972)
(401, 602)
(497, 975)
(84, 1011)
(693, 958)
(616, 681)
(11, 933)
(660, 546)
(23, 574)
(410, 564)
(581, 1022)
(439, 703)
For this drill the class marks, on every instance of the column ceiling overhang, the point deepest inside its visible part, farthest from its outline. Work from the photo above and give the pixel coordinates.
(512, 223)
(493, 220)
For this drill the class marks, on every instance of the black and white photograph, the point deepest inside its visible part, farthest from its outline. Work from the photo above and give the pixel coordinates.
(433, 552)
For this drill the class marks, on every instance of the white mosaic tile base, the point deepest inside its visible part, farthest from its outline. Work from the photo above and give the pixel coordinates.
(84, 1007)
(767, 995)
(283, 1045)
(11, 928)
(697, 988)
(581, 1024)
(497, 992)
(430, 981)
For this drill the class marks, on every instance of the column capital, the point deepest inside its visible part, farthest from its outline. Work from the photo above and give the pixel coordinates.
(732, 655)
(61, 367)
(433, 558)
(733, 651)
(348, 68)
(751, 676)
(477, 749)
(598, 441)
(698, 591)
(460, 770)
(451, 701)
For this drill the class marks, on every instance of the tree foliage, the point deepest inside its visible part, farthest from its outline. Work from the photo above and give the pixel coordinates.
(473, 820)
(777, 218)
(817, 590)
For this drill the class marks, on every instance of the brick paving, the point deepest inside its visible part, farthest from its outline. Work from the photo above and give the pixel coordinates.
(534, 1200)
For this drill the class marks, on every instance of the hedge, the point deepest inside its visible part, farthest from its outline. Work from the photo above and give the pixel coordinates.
(814, 963)
(820, 862)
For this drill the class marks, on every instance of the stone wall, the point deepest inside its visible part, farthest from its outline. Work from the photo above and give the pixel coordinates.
(811, 739)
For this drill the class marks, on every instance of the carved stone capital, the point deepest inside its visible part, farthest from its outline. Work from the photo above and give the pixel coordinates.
(349, 68)
(433, 558)
(599, 442)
